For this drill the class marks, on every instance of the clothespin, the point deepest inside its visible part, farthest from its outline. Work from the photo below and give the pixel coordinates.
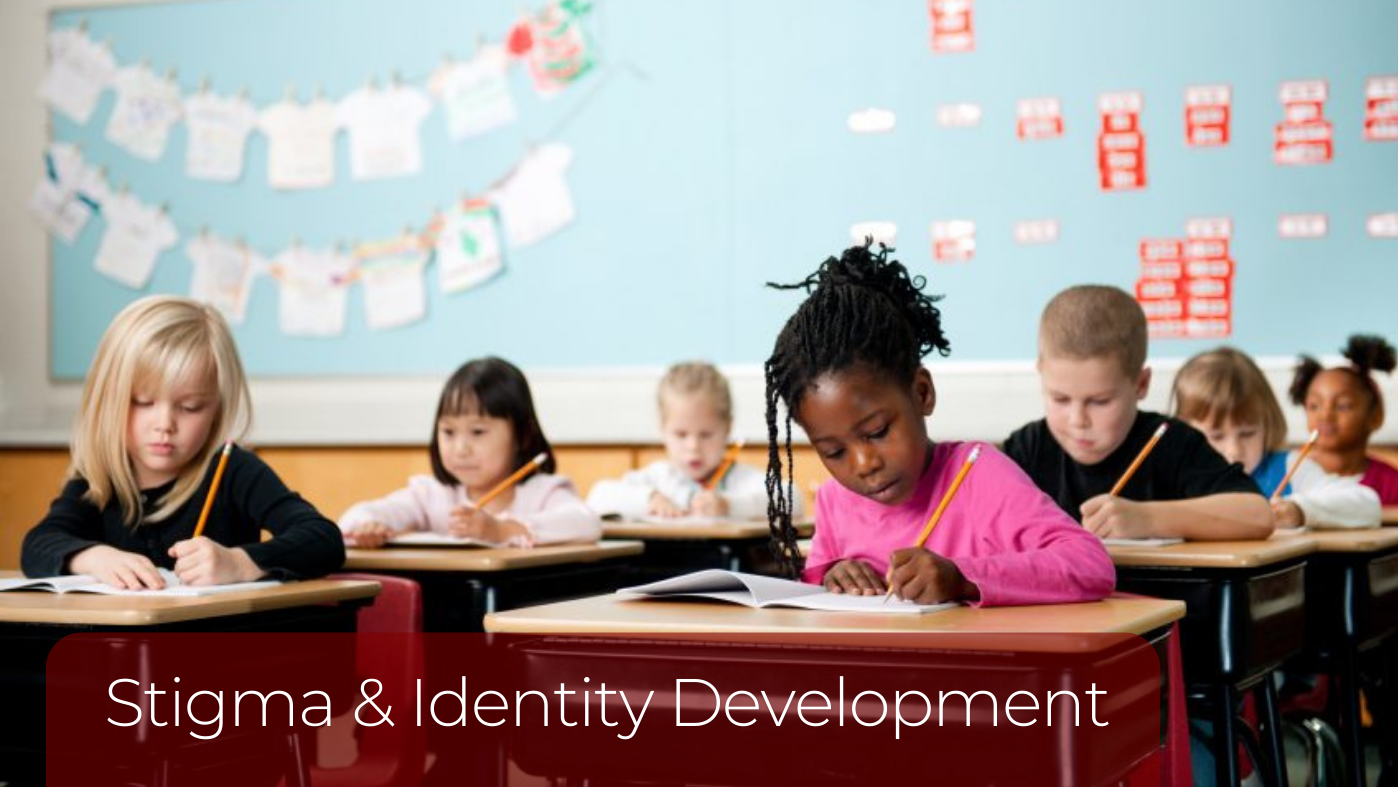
(396, 79)
(243, 92)
(82, 24)
(289, 93)
(171, 74)
(204, 85)
(320, 91)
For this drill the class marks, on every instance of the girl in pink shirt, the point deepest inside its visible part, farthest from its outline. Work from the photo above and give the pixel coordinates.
(848, 368)
(485, 429)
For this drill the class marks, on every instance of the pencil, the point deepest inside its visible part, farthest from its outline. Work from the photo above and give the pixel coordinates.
(1300, 457)
(1140, 458)
(213, 489)
(515, 477)
(942, 506)
(724, 467)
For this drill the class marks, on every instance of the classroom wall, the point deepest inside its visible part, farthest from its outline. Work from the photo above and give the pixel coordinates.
(592, 404)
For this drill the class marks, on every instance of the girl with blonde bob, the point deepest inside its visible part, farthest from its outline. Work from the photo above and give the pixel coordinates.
(1223, 394)
(165, 390)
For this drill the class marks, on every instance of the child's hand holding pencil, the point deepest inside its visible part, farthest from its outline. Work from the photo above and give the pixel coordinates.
(923, 577)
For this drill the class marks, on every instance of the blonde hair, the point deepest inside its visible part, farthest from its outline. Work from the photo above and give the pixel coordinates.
(1225, 385)
(1095, 321)
(153, 344)
(698, 378)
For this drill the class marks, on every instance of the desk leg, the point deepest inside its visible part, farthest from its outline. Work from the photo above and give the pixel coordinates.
(1350, 732)
(1269, 714)
(1388, 714)
(1225, 737)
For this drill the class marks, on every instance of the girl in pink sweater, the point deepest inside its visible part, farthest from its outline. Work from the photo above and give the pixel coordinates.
(485, 429)
(848, 368)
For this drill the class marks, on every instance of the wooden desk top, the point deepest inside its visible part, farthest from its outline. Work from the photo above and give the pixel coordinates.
(1390, 515)
(1371, 540)
(484, 560)
(1216, 554)
(683, 531)
(617, 615)
(88, 609)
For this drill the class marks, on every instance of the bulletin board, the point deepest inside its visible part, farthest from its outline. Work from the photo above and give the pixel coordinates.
(712, 150)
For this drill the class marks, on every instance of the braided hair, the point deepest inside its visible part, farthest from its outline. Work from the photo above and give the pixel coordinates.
(863, 310)
(1366, 354)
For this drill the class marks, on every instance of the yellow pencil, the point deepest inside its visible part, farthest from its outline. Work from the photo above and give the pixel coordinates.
(1140, 458)
(213, 489)
(1300, 457)
(724, 467)
(942, 506)
(515, 477)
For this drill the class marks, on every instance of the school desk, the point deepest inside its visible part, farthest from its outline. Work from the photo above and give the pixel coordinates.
(736, 634)
(1246, 604)
(1390, 515)
(678, 548)
(1351, 609)
(31, 623)
(460, 586)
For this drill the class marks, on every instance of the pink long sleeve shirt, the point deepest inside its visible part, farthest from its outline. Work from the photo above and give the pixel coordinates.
(545, 504)
(1003, 533)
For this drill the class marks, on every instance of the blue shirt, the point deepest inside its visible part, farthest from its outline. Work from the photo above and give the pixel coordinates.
(1270, 472)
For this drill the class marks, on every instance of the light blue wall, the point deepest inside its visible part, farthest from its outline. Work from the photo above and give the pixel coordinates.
(729, 164)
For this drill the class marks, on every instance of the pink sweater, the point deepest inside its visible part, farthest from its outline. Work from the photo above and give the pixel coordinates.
(546, 504)
(1004, 534)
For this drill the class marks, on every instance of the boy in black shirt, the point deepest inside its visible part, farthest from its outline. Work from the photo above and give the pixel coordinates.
(1092, 351)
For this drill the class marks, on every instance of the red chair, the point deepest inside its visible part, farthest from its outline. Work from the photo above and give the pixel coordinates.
(389, 756)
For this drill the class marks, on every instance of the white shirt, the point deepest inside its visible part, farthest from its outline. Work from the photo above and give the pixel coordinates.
(136, 235)
(314, 285)
(534, 201)
(1329, 500)
(218, 129)
(475, 95)
(79, 70)
(300, 144)
(147, 106)
(383, 131)
(744, 488)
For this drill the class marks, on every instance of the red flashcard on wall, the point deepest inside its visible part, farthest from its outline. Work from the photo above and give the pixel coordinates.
(952, 28)
(1039, 118)
(953, 241)
(1121, 146)
(1304, 136)
(1381, 109)
(1207, 114)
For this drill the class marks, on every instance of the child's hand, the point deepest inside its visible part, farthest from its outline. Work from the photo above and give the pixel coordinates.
(201, 561)
(660, 505)
(925, 577)
(708, 503)
(1113, 517)
(125, 570)
(471, 522)
(854, 577)
(1287, 514)
(370, 535)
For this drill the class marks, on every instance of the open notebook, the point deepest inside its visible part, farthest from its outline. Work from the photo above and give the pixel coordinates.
(1142, 542)
(82, 583)
(752, 590)
(430, 539)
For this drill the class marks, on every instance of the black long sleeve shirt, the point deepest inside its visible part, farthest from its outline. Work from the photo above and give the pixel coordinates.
(250, 498)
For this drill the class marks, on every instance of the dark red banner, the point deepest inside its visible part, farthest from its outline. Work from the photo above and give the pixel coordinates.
(251, 709)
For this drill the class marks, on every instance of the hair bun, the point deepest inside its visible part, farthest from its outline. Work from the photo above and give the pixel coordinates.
(1370, 352)
(1306, 370)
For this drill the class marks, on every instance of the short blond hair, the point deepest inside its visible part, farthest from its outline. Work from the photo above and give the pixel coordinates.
(1224, 385)
(1095, 321)
(154, 343)
(697, 378)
